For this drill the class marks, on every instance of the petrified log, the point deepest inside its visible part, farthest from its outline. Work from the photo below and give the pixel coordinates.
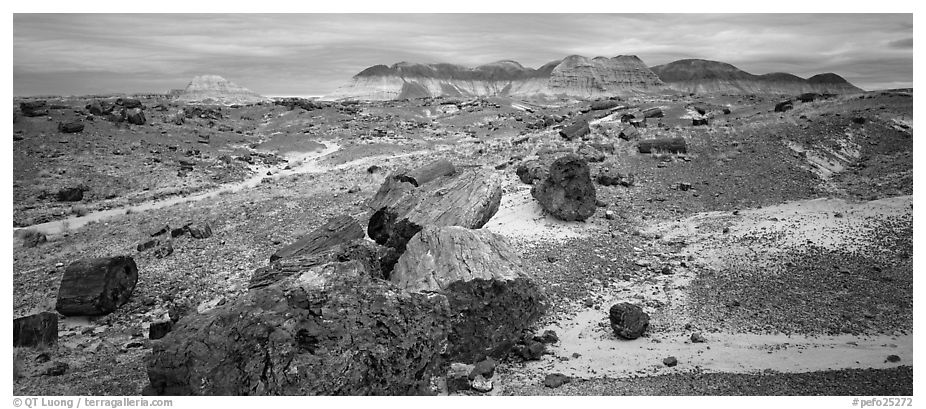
(70, 127)
(468, 199)
(599, 105)
(368, 254)
(34, 108)
(808, 97)
(35, 330)
(530, 170)
(628, 321)
(158, 330)
(71, 194)
(134, 116)
(652, 113)
(670, 145)
(337, 230)
(698, 121)
(578, 129)
(629, 133)
(491, 297)
(625, 118)
(331, 330)
(96, 286)
(610, 175)
(399, 183)
(784, 106)
(568, 192)
(426, 173)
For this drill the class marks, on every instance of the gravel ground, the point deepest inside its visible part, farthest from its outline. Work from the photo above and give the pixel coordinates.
(850, 382)
(735, 164)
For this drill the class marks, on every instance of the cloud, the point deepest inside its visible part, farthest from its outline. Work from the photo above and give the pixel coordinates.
(314, 53)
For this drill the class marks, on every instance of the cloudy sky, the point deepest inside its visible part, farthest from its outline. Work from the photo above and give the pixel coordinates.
(312, 54)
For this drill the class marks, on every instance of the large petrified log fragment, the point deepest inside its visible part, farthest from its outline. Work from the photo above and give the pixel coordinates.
(36, 330)
(670, 145)
(492, 299)
(426, 173)
(468, 199)
(400, 182)
(337, 230)
(367, 253)
(568, 192)
(331, 330)
(96, 286)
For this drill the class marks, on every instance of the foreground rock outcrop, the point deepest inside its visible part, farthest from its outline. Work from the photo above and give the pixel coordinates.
(492, 299)
(567, 193)
(331, 330)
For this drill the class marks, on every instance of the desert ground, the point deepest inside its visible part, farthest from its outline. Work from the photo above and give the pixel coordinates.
(774, 256)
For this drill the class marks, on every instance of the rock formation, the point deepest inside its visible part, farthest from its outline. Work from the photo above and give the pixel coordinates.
(600, 76)
(573, 76)
(215, 90)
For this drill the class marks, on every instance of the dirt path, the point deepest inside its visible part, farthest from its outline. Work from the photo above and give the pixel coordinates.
(306, 162)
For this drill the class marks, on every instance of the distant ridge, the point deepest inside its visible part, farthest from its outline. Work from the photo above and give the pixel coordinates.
(706, 77)
(576, 76)
(215, 90)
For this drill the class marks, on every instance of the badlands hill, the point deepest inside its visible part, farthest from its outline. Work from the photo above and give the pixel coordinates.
(707, 77)
(573, 76)
(215, 90)
(577, 76)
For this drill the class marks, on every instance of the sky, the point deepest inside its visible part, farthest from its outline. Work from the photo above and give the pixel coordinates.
(312, 54)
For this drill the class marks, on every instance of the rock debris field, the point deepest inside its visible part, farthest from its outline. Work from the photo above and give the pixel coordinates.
(463, 246)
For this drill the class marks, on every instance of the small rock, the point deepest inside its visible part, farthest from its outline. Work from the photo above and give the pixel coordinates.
(610, 215)
(549, 337)
(697, 338)
(893, 358)
(482, 384)
(670, 361)
(458, 377)
(199, 230)
(56, 368)
(158, 330)
(628, 321)
(354, 189)
(555, 380)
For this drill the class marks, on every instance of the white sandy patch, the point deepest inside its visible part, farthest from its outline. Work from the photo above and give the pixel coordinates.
(783, 227)
(521, 217)
(604, 354)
